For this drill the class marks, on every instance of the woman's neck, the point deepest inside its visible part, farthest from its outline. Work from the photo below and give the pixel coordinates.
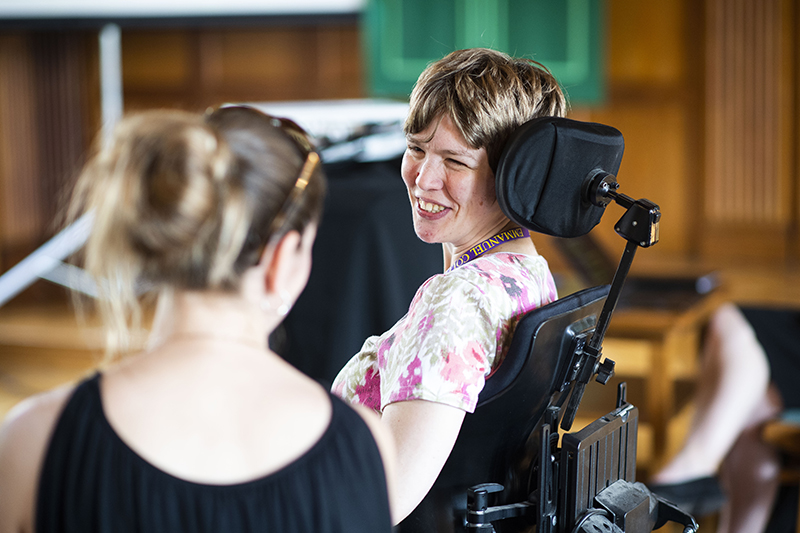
(205, 315)
(520, 246)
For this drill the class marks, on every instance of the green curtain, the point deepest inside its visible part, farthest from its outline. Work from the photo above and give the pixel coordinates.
(401, 37)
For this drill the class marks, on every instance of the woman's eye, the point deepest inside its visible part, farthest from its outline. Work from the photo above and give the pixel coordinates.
(456, 162)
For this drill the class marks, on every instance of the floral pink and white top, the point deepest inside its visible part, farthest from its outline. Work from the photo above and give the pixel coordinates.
(457, 330)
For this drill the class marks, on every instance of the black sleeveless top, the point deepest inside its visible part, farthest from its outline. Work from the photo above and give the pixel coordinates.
(92, 481)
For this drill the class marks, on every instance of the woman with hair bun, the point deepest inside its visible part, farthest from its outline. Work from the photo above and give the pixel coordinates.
(206, 429)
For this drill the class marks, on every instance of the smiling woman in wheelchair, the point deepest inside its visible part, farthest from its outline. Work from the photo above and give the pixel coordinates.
(426, 372)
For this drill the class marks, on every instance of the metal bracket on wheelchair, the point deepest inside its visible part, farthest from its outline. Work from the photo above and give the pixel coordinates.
(546, 494)
(541, 507)
(480, 516)
(640, 222)
(586, 365)
(639, 226)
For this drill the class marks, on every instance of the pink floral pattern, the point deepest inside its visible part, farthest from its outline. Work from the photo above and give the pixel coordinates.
(456, 332)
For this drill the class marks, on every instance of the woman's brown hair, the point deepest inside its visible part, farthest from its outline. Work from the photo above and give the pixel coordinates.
(487, 94)
(187, 201)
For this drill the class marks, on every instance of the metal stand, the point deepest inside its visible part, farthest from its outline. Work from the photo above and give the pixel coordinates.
(47, 261)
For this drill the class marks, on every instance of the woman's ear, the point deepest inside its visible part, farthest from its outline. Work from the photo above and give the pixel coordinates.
(280, 261)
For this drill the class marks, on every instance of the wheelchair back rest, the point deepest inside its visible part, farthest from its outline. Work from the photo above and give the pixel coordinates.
(497, 441)
(556, 325)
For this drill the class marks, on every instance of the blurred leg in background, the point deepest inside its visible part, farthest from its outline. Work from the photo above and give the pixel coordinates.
(733, 400)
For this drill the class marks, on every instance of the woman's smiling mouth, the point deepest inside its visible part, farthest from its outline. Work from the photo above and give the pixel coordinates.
(429, 207)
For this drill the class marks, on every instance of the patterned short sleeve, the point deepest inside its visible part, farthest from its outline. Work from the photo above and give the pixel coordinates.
(447, 349)
(456, 331)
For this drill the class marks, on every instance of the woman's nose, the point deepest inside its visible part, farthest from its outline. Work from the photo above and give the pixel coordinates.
(429, 176)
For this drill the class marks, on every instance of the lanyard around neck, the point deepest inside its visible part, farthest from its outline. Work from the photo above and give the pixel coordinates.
(483, 247)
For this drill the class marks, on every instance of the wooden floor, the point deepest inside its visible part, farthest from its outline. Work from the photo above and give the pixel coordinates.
(25, 371)
(42, 347)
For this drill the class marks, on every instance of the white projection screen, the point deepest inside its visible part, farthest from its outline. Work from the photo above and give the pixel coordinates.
(121, 10)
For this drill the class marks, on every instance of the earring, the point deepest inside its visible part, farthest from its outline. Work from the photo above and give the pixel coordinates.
(284, 308)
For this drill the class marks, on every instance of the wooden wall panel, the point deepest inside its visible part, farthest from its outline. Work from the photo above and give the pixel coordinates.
(49, 97)
(278, 57)
(193, 69)
(20, 209)
(645, 42)
(749, 188)
(793, 35)
(653, 167)
(44, 133)
(63, 102)
(157, 58)
(655, 86)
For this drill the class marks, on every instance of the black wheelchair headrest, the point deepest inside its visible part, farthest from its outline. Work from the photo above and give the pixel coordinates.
(542, 172)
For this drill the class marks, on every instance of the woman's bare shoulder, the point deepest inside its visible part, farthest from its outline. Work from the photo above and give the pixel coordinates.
(34, 415)
(24, 435)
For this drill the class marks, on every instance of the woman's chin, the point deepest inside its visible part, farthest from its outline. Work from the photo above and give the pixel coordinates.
(426, 236)
(428, 240)
(429, 231)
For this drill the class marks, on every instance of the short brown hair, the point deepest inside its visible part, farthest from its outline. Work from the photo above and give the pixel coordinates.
(487, 94)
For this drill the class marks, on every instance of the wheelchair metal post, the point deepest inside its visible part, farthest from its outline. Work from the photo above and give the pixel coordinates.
(547, 489)
(639, 227)
(596, 342)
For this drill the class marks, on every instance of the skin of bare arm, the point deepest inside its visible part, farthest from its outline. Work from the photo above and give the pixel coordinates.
(23, 439)
(424, 434)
